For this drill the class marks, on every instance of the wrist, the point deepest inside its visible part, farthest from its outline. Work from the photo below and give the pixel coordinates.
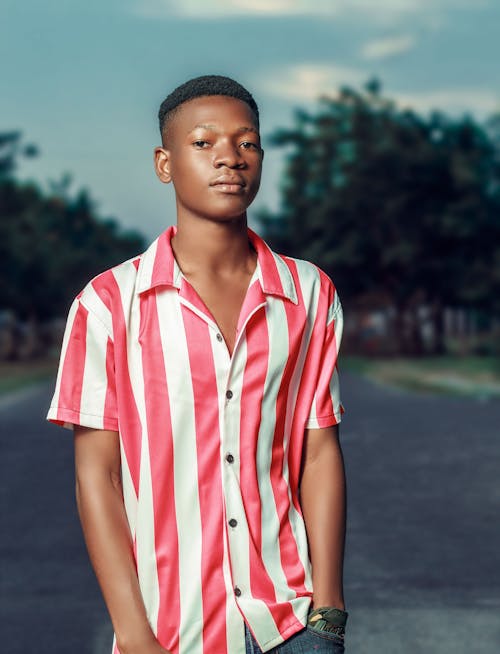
(328, 619)
(133, 644)
(319, 601)
(330, 614)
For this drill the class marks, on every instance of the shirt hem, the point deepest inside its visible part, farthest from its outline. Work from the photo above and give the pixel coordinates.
(67, 418)
(292, 629)
(325, 421)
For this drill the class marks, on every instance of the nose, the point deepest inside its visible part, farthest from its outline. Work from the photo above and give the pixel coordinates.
(226, 154)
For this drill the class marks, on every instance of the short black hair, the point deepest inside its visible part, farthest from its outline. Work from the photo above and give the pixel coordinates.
(202, 86)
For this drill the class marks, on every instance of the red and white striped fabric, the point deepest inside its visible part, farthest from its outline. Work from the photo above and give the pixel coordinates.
(211, 443)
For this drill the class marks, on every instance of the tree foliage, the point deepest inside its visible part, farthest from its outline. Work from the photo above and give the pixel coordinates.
(388, 201)
(51, 244)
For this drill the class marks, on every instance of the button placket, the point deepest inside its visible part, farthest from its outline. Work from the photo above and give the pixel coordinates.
(230, 448)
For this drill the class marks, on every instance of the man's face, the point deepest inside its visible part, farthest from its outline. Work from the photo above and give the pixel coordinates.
(212, 155)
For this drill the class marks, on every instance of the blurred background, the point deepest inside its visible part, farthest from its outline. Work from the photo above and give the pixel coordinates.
(381, 125)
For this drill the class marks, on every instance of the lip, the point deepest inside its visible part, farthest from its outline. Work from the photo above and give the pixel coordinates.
(229, 181)
(229, 189)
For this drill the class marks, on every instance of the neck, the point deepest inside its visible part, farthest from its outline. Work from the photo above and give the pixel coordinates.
(213, 247)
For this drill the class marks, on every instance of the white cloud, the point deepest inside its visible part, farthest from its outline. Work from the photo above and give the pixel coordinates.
(306, 82)
(230, 8)
(382, 11)
(407, 6)
(479, 101)
(389, 47)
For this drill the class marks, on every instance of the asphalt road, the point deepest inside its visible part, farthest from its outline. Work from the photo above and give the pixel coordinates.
(423, 547)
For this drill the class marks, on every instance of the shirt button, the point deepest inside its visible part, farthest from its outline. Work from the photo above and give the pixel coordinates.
(229, 394)
(229, 458)
(237, 591)
(219, 337)
(233, 522)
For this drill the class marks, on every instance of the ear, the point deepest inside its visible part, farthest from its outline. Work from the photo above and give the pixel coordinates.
(162, 164)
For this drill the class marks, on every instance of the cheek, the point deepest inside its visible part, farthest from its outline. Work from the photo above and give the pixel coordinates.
(184, 174)
(195, 169)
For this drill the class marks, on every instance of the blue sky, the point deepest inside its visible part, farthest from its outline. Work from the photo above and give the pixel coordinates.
(83, 79)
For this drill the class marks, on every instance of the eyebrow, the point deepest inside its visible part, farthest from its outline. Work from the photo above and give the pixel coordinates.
(213, 128)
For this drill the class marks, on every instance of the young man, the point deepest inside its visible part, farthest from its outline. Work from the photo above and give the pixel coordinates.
(200, 379)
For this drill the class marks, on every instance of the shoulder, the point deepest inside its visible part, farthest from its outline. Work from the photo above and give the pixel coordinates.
(311, 279)
(315, 290)
(106, 292)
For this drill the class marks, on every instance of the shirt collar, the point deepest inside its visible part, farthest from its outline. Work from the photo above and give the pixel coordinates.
(158, 267)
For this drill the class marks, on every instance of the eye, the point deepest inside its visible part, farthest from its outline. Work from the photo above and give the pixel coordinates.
(200, 144)
(249, 145)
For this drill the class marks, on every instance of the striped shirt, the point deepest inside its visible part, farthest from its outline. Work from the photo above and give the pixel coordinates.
(210, 442)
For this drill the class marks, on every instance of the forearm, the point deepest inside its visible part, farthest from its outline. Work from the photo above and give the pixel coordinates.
(323, 501)
(108, 540)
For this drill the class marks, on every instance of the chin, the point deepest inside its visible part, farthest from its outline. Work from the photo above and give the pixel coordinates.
(227, 214)
(224, 219)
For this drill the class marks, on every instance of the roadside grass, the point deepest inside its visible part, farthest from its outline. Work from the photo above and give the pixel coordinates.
(450, 375)
(15, 375)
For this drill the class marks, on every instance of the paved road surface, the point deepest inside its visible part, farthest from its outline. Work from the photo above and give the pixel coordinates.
(423, 546)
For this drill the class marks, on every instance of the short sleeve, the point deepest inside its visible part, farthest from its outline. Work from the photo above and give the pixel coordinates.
(327, 408)
(85, 387)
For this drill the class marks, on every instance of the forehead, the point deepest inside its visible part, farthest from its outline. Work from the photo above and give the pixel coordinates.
(222, 112)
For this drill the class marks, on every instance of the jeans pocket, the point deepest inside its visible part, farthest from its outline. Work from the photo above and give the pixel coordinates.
(326, 635)
(328, 639)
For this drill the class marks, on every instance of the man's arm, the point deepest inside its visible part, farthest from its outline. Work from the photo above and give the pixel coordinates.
(107, 534)
(323, 502)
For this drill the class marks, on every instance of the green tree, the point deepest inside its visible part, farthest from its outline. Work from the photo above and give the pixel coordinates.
(51, 244)
(11, 148)
(388, 201)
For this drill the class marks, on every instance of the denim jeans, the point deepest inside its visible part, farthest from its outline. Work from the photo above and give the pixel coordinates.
(306, 641)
